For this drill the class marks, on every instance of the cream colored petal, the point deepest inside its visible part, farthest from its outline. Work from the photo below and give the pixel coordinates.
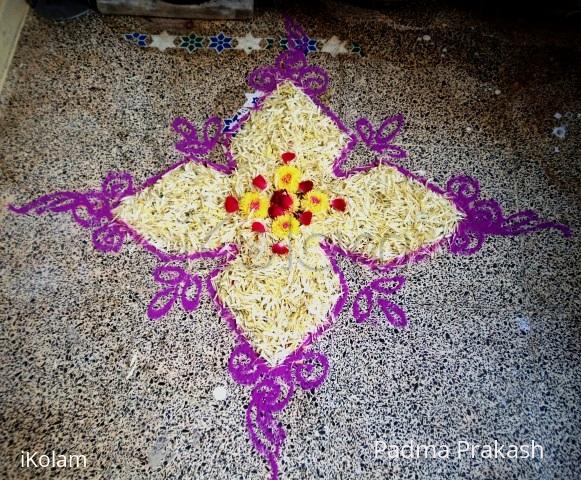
(184, 211)
(278, 300)
(288, 121)
(388, 214)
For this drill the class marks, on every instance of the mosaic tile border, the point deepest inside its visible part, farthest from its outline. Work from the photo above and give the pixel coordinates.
(248, 43)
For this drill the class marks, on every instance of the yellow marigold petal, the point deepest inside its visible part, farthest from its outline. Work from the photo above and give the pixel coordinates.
(315, 201)
(287, 178)
(285, 225)
(254, 205)
(295, 225)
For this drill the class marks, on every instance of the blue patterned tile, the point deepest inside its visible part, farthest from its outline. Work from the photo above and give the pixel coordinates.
(191, 42)
(306, 44)
(356, 49)
(269, 43)
(283, 43)
(220, 42)
(137, 38)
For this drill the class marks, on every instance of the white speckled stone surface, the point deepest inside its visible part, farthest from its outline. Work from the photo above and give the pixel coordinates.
(492, 349)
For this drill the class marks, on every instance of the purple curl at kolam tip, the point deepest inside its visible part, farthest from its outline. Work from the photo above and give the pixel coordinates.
(485, 217)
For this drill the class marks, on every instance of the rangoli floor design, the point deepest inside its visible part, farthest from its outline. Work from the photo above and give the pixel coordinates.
(274, 216)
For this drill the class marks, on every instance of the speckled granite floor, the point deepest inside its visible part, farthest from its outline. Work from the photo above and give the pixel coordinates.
(492, 350)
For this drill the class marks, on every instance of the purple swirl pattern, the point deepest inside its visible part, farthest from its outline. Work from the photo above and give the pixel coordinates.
(484, 217)
(197, 146)
(92, 210)
(273, 389)
(178, 284)
(290, 65)
(380, 140)
(374, 295)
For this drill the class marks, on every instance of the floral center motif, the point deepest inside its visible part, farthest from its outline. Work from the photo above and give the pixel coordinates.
(290, 207)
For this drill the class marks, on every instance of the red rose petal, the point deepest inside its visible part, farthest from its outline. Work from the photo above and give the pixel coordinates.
(339, 204)
(305, 218)
(258, 227)
(288, 157)
(275, 211)
(286, 202)
(231, 204)
(280, 198)
(305, 186)
(279, 249)
(260, 182)
(276, 197)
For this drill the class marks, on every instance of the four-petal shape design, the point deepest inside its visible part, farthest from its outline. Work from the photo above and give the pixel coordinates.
(277, 300)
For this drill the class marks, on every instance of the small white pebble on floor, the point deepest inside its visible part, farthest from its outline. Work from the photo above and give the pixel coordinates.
(468, 129)
(220, 393)
(132, 365)
(158, 454)
(497, 92)
(444, 49)
(558, 115)
(426, 38)
(523, 323)
(557, 150)
(560, 132)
